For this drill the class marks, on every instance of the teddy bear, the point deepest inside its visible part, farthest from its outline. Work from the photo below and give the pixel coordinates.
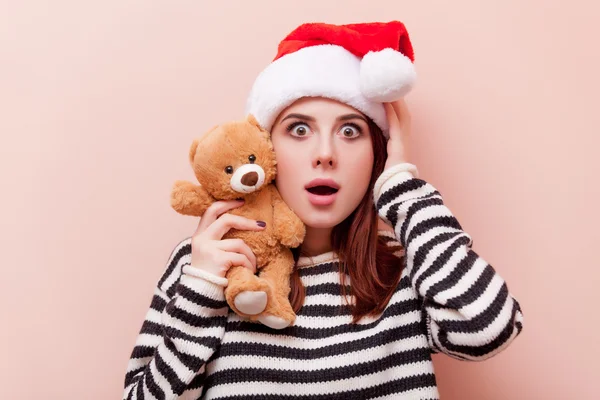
(236, 160)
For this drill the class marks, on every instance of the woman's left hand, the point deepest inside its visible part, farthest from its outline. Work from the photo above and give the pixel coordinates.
(398, 117)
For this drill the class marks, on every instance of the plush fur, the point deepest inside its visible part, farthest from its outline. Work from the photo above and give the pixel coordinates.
(362, 65)
(232, 145)
(324, 71)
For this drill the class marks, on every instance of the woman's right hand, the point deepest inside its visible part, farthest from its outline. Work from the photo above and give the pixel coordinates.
(212, 253)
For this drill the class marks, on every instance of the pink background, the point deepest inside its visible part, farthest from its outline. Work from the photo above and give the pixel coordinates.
(100, 101)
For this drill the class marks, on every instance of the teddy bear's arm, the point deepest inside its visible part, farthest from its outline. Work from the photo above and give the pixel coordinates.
(288, 227)
(190, 199)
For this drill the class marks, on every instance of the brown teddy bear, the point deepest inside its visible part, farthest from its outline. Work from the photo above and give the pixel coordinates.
(236, 160)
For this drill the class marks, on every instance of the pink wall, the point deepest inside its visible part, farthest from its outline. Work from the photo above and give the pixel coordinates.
(100, 101)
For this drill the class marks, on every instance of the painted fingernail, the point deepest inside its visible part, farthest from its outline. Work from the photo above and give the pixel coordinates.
(262, 224)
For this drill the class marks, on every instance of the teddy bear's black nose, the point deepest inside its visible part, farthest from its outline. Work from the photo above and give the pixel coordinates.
(250, 179)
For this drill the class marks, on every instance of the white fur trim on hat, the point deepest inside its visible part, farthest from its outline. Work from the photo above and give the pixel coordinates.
(317, 71)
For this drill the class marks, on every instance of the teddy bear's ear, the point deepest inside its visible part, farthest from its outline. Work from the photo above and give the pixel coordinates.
(197, 141)
(193, 148)
(252, 119)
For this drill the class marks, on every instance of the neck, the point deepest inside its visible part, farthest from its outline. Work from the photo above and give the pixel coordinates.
(316, 241)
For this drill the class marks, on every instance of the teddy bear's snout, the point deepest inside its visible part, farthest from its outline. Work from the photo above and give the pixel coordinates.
(249, 179)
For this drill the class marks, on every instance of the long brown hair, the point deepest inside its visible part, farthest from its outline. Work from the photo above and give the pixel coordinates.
(373, 268)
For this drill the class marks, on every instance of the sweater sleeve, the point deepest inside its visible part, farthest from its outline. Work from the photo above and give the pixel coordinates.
(470, 313)
(182, 329)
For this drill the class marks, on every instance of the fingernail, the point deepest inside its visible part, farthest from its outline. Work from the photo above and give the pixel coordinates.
(262, 224)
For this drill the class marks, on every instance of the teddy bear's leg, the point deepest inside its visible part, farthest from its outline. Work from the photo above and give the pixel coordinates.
(246, 293)
(279, 313)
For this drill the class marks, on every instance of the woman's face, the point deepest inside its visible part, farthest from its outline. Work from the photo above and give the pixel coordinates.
(318, 138)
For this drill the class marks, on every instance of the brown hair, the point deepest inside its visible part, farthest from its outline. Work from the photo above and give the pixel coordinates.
(373, 268)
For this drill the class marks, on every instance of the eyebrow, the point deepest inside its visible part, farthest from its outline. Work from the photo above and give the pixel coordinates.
(352, 116)
(344, 117)
(299, 116)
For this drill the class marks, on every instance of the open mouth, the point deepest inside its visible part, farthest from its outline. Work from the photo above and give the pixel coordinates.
(322, 190)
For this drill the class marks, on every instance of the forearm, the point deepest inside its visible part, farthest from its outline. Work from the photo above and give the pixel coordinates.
(471, 314)
(178, 336)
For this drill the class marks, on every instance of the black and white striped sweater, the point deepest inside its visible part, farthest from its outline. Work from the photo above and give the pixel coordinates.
(449, 299)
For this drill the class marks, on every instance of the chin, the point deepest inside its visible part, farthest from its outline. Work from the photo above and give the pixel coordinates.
(322, 220)
(321, 224)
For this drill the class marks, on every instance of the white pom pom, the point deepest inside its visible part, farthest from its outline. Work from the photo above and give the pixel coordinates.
(386, 75)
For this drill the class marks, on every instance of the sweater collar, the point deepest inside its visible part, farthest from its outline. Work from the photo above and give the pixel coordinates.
(307, 262)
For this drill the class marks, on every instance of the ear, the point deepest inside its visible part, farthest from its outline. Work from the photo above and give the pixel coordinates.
(253, 121)
(196, 142)
(193, 148)
(250, 118)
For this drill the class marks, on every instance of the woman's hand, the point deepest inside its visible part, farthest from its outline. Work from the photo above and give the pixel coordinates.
(398, 117)
(213, 254)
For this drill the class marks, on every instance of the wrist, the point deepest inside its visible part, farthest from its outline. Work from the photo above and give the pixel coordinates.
(206, 275)
(404, 167)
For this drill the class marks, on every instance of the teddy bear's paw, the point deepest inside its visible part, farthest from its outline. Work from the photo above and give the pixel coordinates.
(251, 302)
(293, 241)
(273, 322)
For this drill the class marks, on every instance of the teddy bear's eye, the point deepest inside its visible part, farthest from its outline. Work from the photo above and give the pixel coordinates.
(252, 158)
(229, 169)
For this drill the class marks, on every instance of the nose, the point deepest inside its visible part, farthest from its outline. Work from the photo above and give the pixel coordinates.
(250, 178)
(325, 153)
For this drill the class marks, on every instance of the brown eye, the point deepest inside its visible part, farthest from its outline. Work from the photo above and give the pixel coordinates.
(298, 129)
(350, 131)
(252, 158)
(229, 169)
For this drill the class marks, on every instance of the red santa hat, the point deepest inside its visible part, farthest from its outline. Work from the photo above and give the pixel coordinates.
(362, 65)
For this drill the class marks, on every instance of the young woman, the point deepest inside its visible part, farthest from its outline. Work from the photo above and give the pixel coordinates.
(385, 276)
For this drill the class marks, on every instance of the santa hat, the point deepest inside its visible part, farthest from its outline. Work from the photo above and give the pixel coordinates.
(362, 65)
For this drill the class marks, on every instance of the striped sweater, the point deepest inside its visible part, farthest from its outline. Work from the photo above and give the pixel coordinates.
(449, 300)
